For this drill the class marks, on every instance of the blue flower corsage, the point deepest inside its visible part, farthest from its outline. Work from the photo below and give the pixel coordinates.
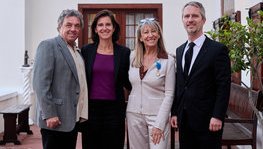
(158, 67)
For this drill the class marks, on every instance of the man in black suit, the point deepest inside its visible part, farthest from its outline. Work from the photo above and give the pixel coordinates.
(202, 84)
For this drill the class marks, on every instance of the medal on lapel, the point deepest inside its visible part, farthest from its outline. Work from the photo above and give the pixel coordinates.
(158, 67)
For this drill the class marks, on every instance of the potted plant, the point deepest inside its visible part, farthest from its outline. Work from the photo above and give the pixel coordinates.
(245, 44)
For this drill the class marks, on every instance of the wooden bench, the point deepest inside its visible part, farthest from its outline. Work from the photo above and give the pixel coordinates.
(11, 128)
(241, 122)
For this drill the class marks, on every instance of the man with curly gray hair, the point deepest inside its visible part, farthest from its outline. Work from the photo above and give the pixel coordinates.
(60, 84)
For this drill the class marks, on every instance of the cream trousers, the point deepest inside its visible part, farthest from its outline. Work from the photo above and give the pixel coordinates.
(139, 131)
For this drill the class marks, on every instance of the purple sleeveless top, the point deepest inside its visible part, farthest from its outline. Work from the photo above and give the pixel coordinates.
(103, 82)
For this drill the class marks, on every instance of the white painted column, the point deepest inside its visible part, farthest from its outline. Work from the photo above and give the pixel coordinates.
(26, 84)
(27, 89)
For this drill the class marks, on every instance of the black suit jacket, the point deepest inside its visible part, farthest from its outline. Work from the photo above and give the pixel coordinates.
(121, 67)
(205, 93)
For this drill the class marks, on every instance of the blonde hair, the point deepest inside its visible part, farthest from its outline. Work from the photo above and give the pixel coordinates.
(139, 45)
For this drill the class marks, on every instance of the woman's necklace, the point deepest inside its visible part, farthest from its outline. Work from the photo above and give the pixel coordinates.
(106, 51)
(148, 61)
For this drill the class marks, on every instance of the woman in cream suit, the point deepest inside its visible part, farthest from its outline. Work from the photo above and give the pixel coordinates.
(152, 75)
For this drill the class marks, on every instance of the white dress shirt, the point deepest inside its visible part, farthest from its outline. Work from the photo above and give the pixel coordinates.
(198, 44)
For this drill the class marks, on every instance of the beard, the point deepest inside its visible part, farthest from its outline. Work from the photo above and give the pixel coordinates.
(193, 31)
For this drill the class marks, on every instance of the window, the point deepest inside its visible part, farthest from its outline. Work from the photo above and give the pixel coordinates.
(127, 15)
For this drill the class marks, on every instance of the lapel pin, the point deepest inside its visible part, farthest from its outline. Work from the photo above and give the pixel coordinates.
(158, 66)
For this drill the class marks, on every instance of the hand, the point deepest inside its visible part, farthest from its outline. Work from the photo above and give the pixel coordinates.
(174, 122)
(215, 124)
(53, 122)
(156, 135)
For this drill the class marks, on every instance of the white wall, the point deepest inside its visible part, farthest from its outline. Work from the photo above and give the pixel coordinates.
(41, 20)
(174, 31)
(12, 41)
(41, 16)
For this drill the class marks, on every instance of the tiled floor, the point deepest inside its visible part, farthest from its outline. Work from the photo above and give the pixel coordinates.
(30, 141)
(34, 141)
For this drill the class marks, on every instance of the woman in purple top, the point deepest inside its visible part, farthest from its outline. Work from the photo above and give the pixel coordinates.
(107, 65)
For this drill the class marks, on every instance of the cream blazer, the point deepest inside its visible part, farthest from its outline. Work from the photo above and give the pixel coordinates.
(154, 94)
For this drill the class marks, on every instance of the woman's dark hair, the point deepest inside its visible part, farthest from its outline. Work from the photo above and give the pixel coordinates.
(116, 26)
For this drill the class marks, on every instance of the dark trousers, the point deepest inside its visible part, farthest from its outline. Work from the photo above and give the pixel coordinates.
(192, 139)
(57, 139)
(105, 127)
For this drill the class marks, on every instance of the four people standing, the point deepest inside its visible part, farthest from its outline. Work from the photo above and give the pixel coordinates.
(201, 85)
(107, 65)
(60, 84)
(202, 93)
(152, 75)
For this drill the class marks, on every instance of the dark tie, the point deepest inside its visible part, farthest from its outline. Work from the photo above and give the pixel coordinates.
(187, 58)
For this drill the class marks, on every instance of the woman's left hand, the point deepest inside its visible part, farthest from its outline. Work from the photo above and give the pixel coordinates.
(156, 135)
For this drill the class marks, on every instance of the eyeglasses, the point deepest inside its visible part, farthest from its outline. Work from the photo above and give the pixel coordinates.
(147, 20)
